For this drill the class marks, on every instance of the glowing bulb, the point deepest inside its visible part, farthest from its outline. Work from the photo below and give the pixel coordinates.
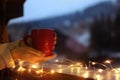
(13, 67)
(21, 69)
(108, 61)
(71, 65)
(86, 75)
(78, 64)
(29, 70)
(34, 66)
(60, 70)
(56, 60)
(116, 71)
(99, 77)
(52, 71)
(60, 66)
(39, 71)
(93, 63)
(86, 67)
(21, 63)
(100, 70)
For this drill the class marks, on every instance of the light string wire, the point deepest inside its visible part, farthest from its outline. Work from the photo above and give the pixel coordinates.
(38, 70)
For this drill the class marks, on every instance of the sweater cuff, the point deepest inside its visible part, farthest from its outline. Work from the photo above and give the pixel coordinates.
(2, 63)
(5, 53)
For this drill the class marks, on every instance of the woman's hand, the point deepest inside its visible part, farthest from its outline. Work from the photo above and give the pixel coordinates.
(30, 54)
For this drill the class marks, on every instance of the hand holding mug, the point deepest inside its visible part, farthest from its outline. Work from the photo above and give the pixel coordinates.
(30, 55)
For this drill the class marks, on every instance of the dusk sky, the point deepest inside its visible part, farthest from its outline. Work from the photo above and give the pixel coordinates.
(40, 9)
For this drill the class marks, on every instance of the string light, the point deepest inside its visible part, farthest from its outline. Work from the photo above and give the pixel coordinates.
(108, 61)
(100, 70)
(73, 68)
(52, 71)
(34, 66)
(56, 60)
(86, 75)
(21, 69)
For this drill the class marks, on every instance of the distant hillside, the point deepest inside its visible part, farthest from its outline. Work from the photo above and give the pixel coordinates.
(106, 8)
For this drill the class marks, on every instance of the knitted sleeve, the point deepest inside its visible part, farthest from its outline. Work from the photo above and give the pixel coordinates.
(6, 59)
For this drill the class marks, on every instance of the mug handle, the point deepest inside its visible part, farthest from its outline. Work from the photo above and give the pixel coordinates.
(25, 39)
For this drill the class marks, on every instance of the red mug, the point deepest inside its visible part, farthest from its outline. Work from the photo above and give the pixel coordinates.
(43, 40)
